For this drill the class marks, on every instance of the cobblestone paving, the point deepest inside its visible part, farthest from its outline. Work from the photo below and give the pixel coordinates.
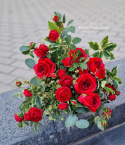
(23, 21)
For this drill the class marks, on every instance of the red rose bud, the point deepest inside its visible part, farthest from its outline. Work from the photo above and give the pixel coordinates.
(18, 118)
(56, 18)
(31, 43)
(117, 93)
(53, 35)
(61, 72)
(104, 122)
(112, 97)
(18, 83)
(20, 124)
(73, 102)
(53, 75)
(27, 93)
(63, 106)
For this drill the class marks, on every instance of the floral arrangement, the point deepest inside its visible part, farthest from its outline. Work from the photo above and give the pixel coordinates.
(68, 80)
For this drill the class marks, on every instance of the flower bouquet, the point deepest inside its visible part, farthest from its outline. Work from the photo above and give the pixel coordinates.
(68, 80)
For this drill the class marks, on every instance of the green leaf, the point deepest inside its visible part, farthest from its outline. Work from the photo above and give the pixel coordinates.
(115, 84)
(81, 110)
(31, 54)
(108, 89)
(43, 88)
(110, 47)
(65, 31)
(103, 84)
(71, 120)
(104, 42)
(94, 46)
(55, 45)
(38, 102)
(118, 80)
(64, 19)
(72, 46)
(68, 38)
(30, 63)
(112, 56)
(70, 22)
(24, 50)
(101, 54)
(72, 29)
(96, 54)
(52, 26)
(47, 39)
(76, 40)
(34, 81)
(91, 119)
(87, 51)
(82, 123)
(71, 69)
(106, 54)
(114, 71)
(100, 126)
(83, 65)
(58, 14)
(96, 119)
(34, 128)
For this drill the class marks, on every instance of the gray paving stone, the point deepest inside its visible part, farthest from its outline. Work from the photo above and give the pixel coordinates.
(7, 61)
(6, 78)
(6, 68)
(22, 22)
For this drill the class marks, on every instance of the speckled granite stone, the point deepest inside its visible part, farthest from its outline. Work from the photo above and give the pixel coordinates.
(52, 133)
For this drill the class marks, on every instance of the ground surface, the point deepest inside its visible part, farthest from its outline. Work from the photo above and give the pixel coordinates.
(23, 21)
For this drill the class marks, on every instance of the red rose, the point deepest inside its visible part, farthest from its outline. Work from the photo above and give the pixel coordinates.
(67, 62)
(94, 64)
(100, 74)
(18, 83)
(92, 101)
(35, 114)
(53, 35)
(83, 54)
(66, 81)
(18, 118)
(84, 71)
(27, 93)
(63, 94)
(74, 57)
(112, 97)
(45, 67)
(63, 106)
(41, 51)
(26, 117)
(61, 72)
(56, 18)
(117, 93)
(86, 83)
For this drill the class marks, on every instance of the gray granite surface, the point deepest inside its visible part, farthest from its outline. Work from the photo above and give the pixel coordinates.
(52, 133)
